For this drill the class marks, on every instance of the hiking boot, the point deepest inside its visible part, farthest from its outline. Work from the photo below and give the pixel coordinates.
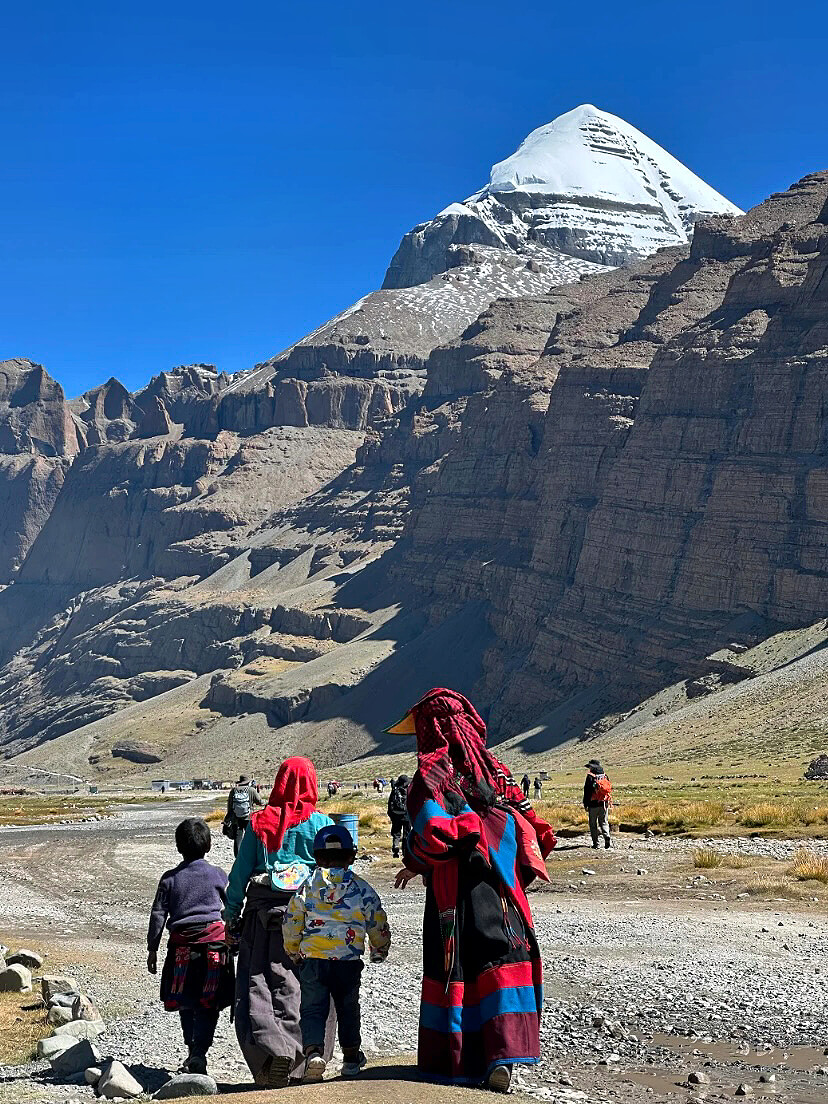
(595, 847)
(354, 1064)
(315, 1067)
(278, 1072)
(607, 845)
(500, 1079)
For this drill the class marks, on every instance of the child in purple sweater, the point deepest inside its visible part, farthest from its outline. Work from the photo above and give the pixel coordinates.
(197, 976)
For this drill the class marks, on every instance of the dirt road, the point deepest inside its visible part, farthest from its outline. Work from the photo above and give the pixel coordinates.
(653, 969)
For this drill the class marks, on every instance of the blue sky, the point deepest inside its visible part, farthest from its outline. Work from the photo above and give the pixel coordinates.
(208, 182)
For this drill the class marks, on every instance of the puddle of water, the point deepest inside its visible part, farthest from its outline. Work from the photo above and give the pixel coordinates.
(801, 1059)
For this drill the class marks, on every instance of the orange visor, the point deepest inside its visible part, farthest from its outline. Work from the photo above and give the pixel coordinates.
(404, 727)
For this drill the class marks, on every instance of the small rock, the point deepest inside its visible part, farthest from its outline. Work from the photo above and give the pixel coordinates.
(564, 1079)
(75, 1059)
(30, 959)
(54, 1045)
(16, 979)
(84, 1009)
(767, 1078)
(51, 984)
(116, 1080)
(641, 870)
(92, 1075)
(81, 1029)
(187, 1084)
(744, 1090)
(58, 1015)
(589, 873)
(698, 1078)
(62, 1000)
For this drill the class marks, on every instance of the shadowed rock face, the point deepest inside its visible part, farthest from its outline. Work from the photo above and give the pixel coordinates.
(658, 474)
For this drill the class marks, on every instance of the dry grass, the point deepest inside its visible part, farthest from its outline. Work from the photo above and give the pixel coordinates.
(26, 810)
(808, 867)
(705, 858)
(22, 1023)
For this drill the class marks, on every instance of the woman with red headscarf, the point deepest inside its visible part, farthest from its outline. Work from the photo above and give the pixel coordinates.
(275, 858)
(478, 843)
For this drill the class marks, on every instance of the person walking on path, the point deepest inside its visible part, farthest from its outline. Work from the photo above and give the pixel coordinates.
(398, 814)
(597, 802)
(525, 784)
(274, 860)
(325, 929)
(240, 802)
(538, 788)
(478, 843)
(197, 976)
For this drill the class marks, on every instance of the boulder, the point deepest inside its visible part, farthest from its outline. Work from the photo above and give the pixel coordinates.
(53, 984)
(57, 1015)
(75, 1059)
(62, 1000)
(30, 959)
(81, 1029)
(92, 1075)
(187, 1084)
(54, 1045)
(135, 752)
(116, 1081)
(84, 1009)
(16, 979)
(817, 771)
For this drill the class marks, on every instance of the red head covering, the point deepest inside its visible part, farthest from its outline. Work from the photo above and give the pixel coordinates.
(292, 800)
(451, 745)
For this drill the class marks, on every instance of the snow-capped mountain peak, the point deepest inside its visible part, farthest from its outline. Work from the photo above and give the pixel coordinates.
(589, 152)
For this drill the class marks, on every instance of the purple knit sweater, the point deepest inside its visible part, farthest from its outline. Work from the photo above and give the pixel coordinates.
(193, 894)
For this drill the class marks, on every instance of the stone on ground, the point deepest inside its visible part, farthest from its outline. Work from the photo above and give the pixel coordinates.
(187, 1084)
(81, 1029)
(84, 1009)
(63, 1000)
(16, 979)
(116, 1080)
(54, 1045)
(58, 1015)
(52, 984)
(92, 1075)
(75, 1059)
(30, 959)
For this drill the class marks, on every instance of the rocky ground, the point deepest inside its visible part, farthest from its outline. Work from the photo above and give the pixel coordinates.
(654, 970)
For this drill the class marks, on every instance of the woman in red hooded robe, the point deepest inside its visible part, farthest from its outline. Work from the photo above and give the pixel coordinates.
(478, 843)
(274, 859)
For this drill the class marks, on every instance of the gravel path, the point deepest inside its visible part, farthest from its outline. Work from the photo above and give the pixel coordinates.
(647, 975)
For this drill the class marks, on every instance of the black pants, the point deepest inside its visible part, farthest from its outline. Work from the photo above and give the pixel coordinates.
(322, 981)
(399, 832)
(199, 1027)
(241, 825)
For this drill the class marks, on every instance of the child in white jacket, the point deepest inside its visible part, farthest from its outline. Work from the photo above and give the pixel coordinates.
(325, 928)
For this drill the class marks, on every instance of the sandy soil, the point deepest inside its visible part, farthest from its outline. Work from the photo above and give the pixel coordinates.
(653, 969)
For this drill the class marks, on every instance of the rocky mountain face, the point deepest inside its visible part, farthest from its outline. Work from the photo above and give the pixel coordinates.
(573, 499)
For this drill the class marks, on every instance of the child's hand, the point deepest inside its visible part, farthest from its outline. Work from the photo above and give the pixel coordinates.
(152, 962)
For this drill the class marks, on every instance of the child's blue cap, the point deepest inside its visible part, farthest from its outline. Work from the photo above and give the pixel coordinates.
(333, 837)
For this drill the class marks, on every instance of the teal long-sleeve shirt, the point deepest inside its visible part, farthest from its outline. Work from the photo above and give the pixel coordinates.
(297, 846)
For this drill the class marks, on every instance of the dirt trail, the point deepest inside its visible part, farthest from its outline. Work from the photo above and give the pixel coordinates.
(648, 975)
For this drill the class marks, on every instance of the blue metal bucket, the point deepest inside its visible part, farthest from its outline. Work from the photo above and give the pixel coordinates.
(350, 821)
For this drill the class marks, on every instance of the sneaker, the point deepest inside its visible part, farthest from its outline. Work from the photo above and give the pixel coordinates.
(278, 1072)
(315, 1067)
(500, 1079)
(352, 1067)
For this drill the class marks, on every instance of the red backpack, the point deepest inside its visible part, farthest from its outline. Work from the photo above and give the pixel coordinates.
(602, 790)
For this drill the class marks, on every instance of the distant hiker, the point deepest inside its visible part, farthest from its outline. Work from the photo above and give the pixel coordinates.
(197, 976)
(275, 859)
(240, 802)
(398, 814)
(325, 928)
(331, 789)
(538, 788)
(525, 784)
(479, 843)
(597, 801)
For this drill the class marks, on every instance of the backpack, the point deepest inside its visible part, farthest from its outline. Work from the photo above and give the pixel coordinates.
(602, 790)
(396, 803)
(241, 803)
